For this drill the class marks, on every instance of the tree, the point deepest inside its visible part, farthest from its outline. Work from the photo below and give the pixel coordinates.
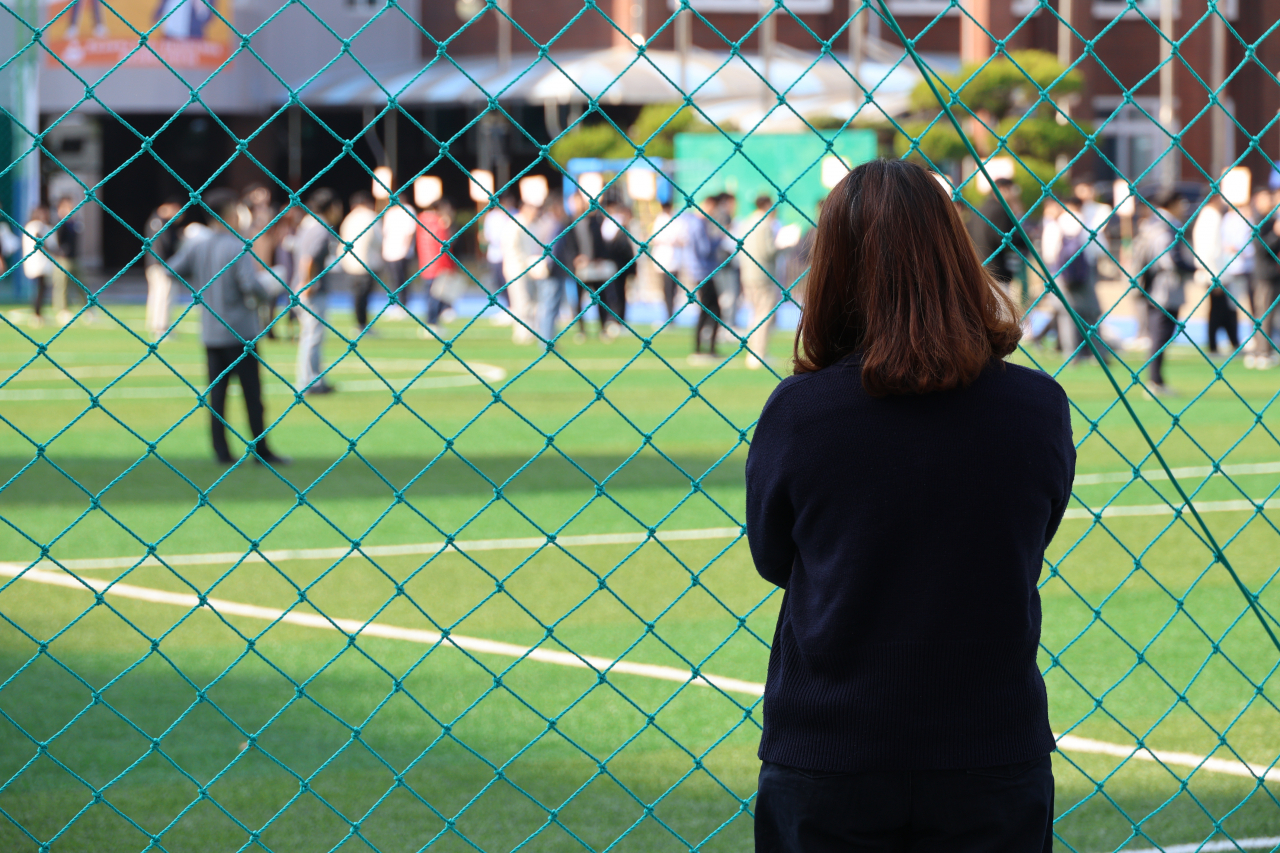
(1013, 96)
(653, 133)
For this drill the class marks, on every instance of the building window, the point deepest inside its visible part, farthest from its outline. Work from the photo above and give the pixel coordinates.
(923, 7)
(1109, 9)
(933, 8)
(755, 7)
(1131, 137)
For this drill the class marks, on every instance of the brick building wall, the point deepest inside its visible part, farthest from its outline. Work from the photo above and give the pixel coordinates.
(1125, 54)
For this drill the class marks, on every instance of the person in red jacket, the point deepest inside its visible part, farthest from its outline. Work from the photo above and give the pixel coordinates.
(441, 279)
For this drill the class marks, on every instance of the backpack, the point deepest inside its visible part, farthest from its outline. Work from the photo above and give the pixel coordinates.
(1075, 272)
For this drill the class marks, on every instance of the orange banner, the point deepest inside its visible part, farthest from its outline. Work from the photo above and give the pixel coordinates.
(181, 33)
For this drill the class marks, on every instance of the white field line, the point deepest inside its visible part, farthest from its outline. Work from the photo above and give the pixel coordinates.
(467, 545)
(1159, 474)
(1231, 766)
(377, 629)
(464, 545)
(1070, 743)
(1213, 846)
(1163, 509)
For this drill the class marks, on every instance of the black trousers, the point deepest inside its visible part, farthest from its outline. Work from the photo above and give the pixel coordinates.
(614, 297)
(361, 289)
(670, 287)
(246, 372)
(1161, 324)
(1222, 315)
(709, 317)
(1005, 809)
(39, 292)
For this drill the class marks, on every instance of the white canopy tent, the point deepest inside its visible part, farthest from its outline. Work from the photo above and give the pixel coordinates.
(724, 86)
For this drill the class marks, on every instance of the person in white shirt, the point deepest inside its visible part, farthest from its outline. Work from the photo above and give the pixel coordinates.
(1237, 256)
(525, 263)
(666, 247)
(37, 264)
(1206, 245)
(363, 230)
(1065, 243)
(497, 224)
(399, 227)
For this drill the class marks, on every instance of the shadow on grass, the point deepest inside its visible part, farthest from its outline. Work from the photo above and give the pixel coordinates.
(152, 480)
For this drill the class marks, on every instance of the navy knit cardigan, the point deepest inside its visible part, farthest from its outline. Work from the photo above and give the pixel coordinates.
(909, 533)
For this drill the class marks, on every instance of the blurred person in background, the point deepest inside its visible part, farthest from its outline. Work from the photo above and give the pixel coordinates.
(593, 266)
(1169, 262)
(1206, 243)
(526, 262)
(904, 709)
(66, 262)
(37, 263)
(442, 283)
(757, 268)
(564, 248)
(399, 228)
(1236, 258)
(1050, 249)
(493, 234)
(703, 254)
(991, 225)
(666, 247)
(1065, 243)
(283, 267)
(362, 228)
(1265, 287)
(163, 231)
(224, 279)
(621, 254)
(728, 281)
(312, 247)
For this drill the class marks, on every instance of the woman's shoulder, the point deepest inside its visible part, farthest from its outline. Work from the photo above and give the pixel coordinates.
(1030, 390)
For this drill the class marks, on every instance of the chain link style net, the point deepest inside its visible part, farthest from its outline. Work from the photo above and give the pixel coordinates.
(502, 599)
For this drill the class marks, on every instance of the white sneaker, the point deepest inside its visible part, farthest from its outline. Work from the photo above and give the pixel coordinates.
(1250, 362)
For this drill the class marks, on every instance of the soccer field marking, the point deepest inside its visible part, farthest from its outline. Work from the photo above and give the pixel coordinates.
(410, 549)
(1159, 474)
(280, 555)
(1213, 846)
(1067, 743)
(1230, 766)
(1164, 509)
(378, 629)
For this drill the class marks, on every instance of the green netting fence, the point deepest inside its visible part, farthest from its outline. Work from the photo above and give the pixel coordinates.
(501, 597)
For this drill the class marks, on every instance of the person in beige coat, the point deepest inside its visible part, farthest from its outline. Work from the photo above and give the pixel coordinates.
(757, 268)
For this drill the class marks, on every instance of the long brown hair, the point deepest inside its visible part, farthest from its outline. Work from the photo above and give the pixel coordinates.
(894, 276)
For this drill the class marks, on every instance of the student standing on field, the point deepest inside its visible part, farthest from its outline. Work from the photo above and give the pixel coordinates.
(758, 264)
(904, 708)
(1169, 264)
(363, 230)
(312, 247)
(66, 262)
(399, 226)
(37, 263)
(1265, 287)
(163, 232)
(1206, 241)
(223, 279)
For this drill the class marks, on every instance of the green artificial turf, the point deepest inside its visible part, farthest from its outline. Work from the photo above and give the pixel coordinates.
(212, 732)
